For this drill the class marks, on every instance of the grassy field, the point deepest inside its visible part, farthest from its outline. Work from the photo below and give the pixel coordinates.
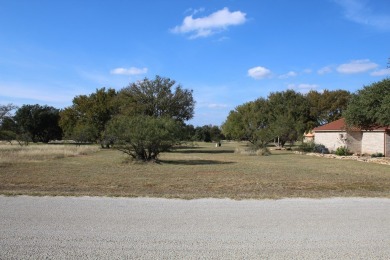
(197, 172)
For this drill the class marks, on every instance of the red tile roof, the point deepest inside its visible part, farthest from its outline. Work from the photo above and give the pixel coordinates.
(340, 125)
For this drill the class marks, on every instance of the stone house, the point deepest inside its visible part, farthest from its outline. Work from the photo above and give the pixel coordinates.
(358, 141)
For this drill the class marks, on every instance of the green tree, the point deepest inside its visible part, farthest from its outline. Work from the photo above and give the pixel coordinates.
(251, 122)
(151, 117)
(327, 106)
(208, 133)
(156, 98)
(144, 137)
(289, 115)
(38, 122)
(88, 116)
(8, 127)
(370, 106)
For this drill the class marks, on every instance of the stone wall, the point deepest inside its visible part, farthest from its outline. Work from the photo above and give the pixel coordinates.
(354, 142)
(373, 142)
(331, 140)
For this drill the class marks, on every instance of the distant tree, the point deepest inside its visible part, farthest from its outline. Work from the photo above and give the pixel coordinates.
(8, 128)
(327, 106)
(156, 98)
(208, 133)
(370, 106)
(288, 115)
(201, 134)
(38, 122)
(144, 137)
(89, 114)
(251, 122)
(5, 111)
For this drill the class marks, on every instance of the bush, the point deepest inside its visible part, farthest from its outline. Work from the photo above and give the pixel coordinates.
(342, 151)
(311, 147)
(144, 137)
(377, 155)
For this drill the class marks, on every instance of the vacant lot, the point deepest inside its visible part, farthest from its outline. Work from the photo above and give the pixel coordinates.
(193, 172)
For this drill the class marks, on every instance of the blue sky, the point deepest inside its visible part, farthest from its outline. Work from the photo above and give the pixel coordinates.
(228, 51)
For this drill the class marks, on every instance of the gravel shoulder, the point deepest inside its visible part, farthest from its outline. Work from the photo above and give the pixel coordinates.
(148, 228)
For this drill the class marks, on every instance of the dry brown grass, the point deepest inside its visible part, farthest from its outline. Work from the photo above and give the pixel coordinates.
(10, 154)
(198, 172)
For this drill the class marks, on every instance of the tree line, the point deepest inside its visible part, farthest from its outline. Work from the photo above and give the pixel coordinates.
(149, 116)
(287, 115)
(284, 115)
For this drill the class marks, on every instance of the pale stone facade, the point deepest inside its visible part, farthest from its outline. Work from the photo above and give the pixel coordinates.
(331, 140)
(335, 134)
(364, 142)
(373, 142)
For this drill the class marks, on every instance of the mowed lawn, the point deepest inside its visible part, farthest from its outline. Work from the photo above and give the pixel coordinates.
(195, 172)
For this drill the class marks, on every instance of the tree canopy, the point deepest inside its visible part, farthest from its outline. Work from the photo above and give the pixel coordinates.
(251, 122)
(370, 106)
(86, 119)
(284, 115)
(156, 98)
(150, 117)
(327, 106)
(40, 123)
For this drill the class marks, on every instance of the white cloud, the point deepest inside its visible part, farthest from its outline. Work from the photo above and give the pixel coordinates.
(325, 70)
(307, 71)
(303, 88)
(382, 72)
(360, 12)
(217, 106)
(288, 75)
(259, 72)
(208, 25)
(356, 66)
(129, 71)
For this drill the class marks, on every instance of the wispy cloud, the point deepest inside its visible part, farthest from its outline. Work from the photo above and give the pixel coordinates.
(209, 25)
(360, 12)
(303, 88)
(288, 75)
(357, 66)
(259, 72)
(129, 71)
(382, 72)
(217, 106)
(325, 70)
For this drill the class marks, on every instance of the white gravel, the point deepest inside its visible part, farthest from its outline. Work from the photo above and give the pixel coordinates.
(145, 228)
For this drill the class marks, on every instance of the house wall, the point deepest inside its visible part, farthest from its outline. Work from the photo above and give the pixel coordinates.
(354, 141)
(333, 140)
(373, 142)
(387, 153)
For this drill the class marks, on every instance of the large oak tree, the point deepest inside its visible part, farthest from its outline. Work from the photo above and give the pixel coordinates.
(370, 106)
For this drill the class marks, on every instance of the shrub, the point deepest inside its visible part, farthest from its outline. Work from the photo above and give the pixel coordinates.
(377, 155)
(311, 147)
(342, 151)
(307, 147)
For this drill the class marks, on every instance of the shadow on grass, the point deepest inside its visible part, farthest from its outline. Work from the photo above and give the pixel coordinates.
(193, 162)
(216, 151)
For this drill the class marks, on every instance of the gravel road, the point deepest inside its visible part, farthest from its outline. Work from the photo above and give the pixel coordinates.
(145, 228)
